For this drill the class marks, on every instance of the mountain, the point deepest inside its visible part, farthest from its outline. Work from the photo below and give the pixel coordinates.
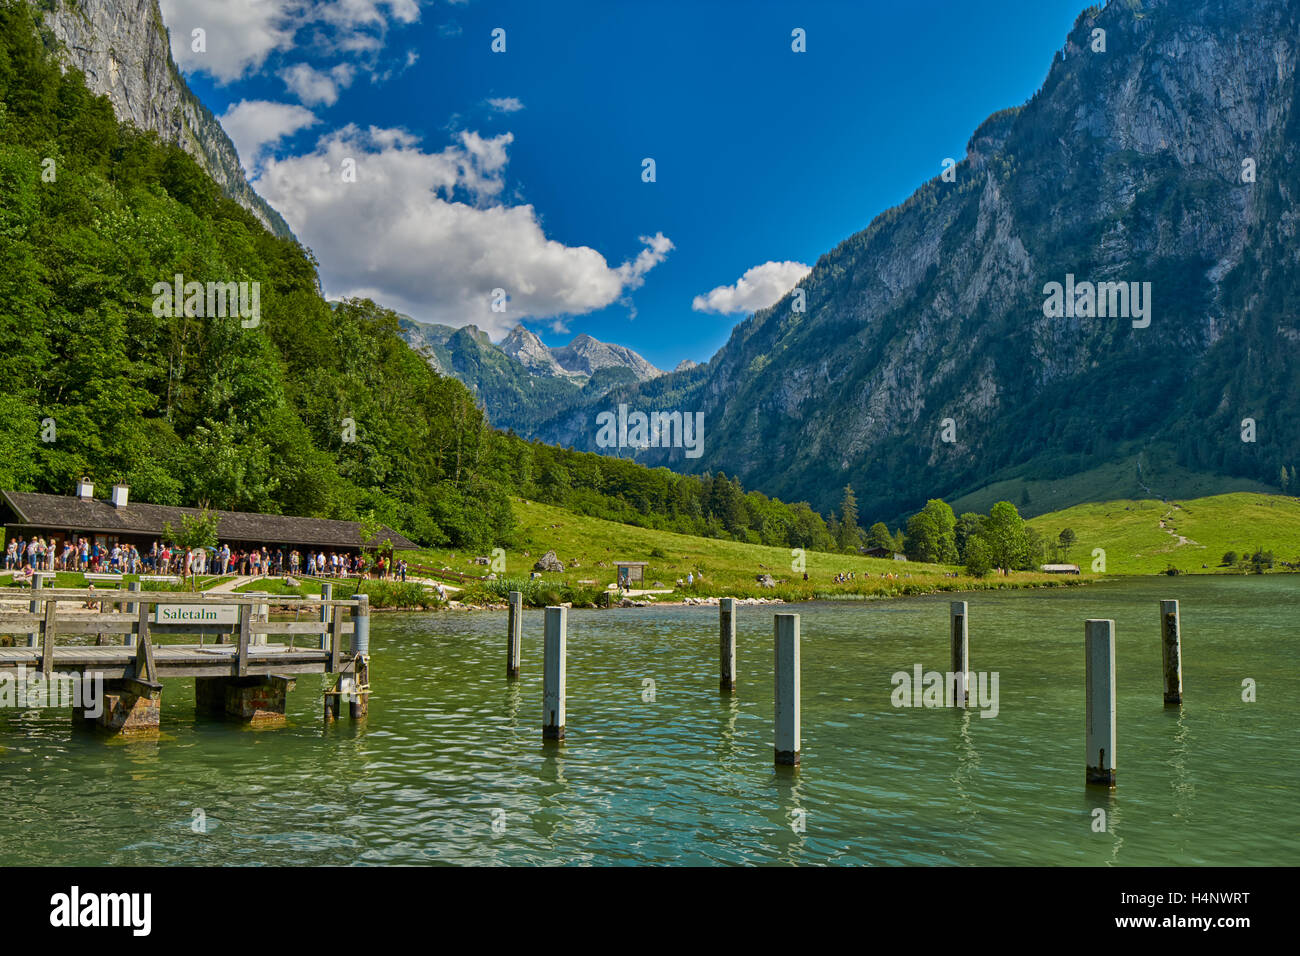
(523, 381)
(511, 392)
(587, 356)
(529, 351)
(936, 358)
(122, 48)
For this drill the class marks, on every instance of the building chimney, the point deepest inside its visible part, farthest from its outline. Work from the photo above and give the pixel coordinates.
(85, 490)
(120, 493)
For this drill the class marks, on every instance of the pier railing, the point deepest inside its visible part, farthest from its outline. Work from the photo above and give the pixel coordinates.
(131, 620)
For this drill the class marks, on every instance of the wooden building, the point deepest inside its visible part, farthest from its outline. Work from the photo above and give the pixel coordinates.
(122, 521)
(884, 553)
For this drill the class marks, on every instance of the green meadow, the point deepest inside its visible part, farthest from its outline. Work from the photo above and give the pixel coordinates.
(589, 548)
(1149, 537)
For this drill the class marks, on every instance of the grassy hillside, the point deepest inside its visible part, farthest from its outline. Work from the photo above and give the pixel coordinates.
(1147, 475)
(729, 567)
(1194, 533)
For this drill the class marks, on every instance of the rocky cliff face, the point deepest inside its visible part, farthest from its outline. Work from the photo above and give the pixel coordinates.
(931, 359)
(122, 48)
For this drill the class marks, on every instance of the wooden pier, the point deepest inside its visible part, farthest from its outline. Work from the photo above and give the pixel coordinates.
(242, 662)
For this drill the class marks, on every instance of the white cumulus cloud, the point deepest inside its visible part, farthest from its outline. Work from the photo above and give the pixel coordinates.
(257, 125)
(239, 35)
(317, 87)
(505, 104)
(758, 288)
(359, 13)
(426, 233)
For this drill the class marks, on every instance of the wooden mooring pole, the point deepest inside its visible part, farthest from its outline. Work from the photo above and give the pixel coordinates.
(326, 594)
(359, 706)
(553, 673)
(727, 644)
(960, 639)
(1099, 647)
(332, 700)
(786, 652)
(34, 606)
(131, 610)
(1171, 648)
(261, 614)
(514, 634)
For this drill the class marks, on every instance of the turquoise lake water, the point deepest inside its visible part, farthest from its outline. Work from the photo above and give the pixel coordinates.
(449, 767)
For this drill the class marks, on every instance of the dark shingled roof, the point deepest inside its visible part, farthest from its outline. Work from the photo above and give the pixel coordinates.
(65, 513)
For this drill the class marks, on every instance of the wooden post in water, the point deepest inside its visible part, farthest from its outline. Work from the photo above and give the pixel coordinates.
(960, 654)
(553, 673)
(360, 704)
(261, 614)
(1171, 647)
(34, 606)
(49, 630)
(326, 594)
(128, 638)
(514, 634)
(727, 644)
(786, 647)
(247, 613)
(1099, 647)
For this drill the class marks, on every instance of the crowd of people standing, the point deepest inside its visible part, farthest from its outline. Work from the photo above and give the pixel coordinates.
(38, 554)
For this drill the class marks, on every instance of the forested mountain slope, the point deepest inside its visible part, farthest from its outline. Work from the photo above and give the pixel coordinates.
(284, 405)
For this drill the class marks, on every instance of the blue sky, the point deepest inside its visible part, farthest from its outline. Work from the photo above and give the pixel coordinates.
(522, 170)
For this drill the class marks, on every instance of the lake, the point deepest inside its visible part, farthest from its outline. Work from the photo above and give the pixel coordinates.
(450, 767)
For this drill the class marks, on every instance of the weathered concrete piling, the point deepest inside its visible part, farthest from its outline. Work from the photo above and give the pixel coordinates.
(1171, 648)
(254, 699)
(514, 634)
(786, 652)
(960, 665)
(553, 673)
(129, 707)
(727, 644)
(1099, 648)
